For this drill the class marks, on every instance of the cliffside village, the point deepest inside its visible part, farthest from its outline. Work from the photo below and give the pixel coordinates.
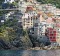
(42, 20)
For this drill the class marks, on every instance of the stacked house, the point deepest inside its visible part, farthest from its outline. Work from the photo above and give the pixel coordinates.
(40, 19)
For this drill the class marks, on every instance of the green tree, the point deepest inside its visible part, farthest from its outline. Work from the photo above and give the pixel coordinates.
(11, 22)
(54, 2)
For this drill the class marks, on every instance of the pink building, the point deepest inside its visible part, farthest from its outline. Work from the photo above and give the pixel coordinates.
(51, 33)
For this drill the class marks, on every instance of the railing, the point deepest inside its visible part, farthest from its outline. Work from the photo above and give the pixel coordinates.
(9, 9)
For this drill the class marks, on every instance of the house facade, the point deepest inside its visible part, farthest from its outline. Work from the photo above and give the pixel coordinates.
(51, 33)
(27, 20)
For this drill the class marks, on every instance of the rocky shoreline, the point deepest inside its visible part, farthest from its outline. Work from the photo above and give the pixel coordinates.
(36, 48)
(44, 48)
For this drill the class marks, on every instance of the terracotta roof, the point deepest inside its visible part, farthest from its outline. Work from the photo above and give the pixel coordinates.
(29, 8)
(49, 14)
(39, 12)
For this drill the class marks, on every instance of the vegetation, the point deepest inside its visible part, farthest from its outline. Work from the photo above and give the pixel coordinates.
(12, 34)
(15, 3)
(54, 2)
(1, 1)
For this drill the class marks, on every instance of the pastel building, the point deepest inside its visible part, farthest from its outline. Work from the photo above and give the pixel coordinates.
(51, 33)
(27, 21)
(49, 22)
(57, 27)
(58, 33)
(57, 12)
(39, 26)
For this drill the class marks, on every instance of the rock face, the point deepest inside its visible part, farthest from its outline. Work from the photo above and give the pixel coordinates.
(3, 45)
(23, 42)
(26, 42)
(10, 39)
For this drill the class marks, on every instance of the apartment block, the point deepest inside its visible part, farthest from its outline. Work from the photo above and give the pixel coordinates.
(27, 21)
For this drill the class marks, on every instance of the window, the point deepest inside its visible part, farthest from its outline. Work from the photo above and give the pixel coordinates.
(36, 18)
(20, 2)
(28, 14)
(40, 37)
(32, 29)
(24, 20)
(50, 37)
(31, 18)
(27, 27)
(28, 17)
(36, 24)
(34, 13)
(51, 34)
(28, 22)
(24, 24)
(53, 37)
(32, 33)
(54, 31)
(57, 37)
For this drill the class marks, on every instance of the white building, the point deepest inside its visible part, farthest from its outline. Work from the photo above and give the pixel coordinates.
(22, 5)
(48, 8)
(41, 28)
(51, 8)
(57, 12)
(2, 21)
(8, 14)
(8, 1)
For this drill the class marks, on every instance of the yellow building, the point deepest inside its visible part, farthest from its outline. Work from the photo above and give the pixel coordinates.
(27, 21)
